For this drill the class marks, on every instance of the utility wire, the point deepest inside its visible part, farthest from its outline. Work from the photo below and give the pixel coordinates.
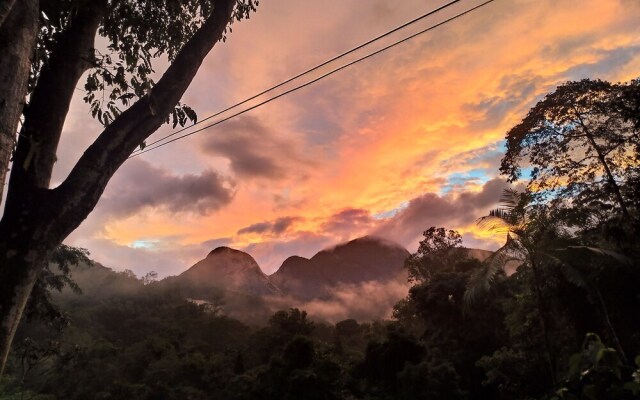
(152, 147)
(375, 39)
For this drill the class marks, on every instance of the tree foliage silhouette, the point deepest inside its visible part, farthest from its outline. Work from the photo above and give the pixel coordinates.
(580, 142)
(45, 48)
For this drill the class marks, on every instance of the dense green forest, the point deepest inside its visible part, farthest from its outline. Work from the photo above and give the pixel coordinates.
(553, 314)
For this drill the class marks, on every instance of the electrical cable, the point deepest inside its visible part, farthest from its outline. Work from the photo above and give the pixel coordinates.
(154, 146)
(375, 39)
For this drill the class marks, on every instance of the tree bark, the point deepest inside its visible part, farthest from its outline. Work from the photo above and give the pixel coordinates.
(24, 249)
(38, 219)
(49, 103)
(33, 163)
(5, 9)
(18, 36)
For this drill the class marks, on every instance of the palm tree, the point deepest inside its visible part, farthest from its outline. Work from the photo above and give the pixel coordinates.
(535, 239)
(512, 220)
(528, 232)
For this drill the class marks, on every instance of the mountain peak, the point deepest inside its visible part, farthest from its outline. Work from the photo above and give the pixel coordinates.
(368, 258)
(224, 249)
(293, 260)
(369, 240)
(228, 269)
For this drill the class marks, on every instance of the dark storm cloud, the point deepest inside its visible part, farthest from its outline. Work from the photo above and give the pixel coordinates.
(449, 211)
(139, 184)
(275, 227)
(252, 149)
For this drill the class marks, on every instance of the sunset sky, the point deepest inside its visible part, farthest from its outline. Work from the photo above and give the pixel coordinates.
(408, 139)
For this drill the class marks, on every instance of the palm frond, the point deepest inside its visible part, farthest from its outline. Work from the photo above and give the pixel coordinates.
(600, 252)
(501, 213)
(483, 279)
(572, 274)
(508, 216)
(574, 261)
(586, 254)
(511, 199)
(494, 222)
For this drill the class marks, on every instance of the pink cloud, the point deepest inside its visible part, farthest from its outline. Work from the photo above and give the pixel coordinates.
(391, 131)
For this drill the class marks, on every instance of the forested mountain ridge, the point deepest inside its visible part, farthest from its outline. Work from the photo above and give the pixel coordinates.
(359, 260)
(363, 278)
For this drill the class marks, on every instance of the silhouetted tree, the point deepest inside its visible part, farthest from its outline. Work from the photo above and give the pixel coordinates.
(580, 142)
(439, 249)
(45, 48)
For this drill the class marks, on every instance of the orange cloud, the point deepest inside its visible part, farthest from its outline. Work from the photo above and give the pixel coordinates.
(387, 130)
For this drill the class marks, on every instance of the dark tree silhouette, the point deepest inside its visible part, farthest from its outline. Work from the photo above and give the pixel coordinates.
(46, 46)
(581, 142)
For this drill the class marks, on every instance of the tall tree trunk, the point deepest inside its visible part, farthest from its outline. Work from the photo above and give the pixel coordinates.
(17, 278)
(23, 250)
(5, 9)
(38, 219)
(22, 260)
(542, 319)
(18, 35)
(49, 103)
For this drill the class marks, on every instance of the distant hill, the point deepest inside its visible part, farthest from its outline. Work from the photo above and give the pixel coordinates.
(229, 269)
(361, 278)
(360, 260)
(230, 280)
(98, 282)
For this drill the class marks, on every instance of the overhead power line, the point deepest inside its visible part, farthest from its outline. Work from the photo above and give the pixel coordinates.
(346, 53)
(156, 144)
